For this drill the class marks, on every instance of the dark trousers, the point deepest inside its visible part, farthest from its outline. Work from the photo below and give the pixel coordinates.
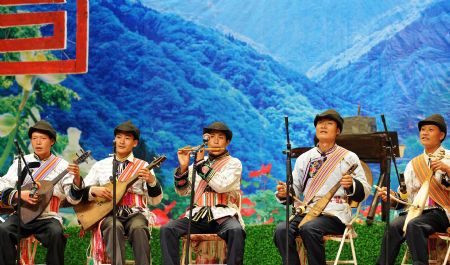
(417, 233)
(48, 231)
(312, 236)
(230, 230)
(136, 228)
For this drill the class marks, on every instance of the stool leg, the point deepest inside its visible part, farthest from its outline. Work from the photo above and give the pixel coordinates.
(405, 257)
(183, 251)
(352, 245)
(448, 253)
(224, 252)
(190, 254)
(33, 254)
(341, 245)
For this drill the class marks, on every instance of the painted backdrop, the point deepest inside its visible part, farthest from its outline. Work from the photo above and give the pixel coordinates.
(174, 66)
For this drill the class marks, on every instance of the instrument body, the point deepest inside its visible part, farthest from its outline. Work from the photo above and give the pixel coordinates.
(320, 205)
(418, 204)
(89, 213)
(29, 212)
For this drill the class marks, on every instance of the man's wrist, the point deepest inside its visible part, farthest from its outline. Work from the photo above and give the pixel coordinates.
(183, 169)
(77, 184)
(280, 198)
(447, 170)
(152, 183)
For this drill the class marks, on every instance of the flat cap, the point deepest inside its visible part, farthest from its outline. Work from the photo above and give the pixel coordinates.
(435, 119)
(44, 127)
(128, 127)
(332, 115)
(219, 126)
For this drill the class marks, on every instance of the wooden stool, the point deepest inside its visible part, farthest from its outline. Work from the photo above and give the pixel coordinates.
(28, 248)
(346, 237)
(438, 249)
(105, 260)
(208, 249)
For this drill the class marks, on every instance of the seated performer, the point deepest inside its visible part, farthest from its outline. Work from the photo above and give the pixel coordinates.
(133, 216)
(47, 227)
(217, 191)
(435, 161)
(315, 172)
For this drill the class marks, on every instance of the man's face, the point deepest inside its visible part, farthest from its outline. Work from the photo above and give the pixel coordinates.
(125, 143)
(217, 139)
(42, 144)
(327, 130)
(431, 136)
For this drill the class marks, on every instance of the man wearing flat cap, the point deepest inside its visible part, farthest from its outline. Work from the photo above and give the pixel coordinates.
(133, 215)
(216, 199)
(47, 227)
(435, 162)
(315, 173)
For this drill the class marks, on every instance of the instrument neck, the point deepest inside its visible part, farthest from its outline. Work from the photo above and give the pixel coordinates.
(130, 181)
(60, 176)
(333, 190)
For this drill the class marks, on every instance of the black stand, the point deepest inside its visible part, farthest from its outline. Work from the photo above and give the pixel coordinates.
(387, 181)
(288, 184)
(20, 178)
(19, 203)
(373, 205)
(114, 211)
(191, 203)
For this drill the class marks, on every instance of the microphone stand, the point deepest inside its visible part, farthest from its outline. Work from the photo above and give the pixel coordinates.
(114, 211)
(20, 178)
(390, 155)
(19, 201)
(191, 203)
(288, 184)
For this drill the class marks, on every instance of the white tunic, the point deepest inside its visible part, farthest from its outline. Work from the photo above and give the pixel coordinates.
(61, 189)
(335, 208)
(413, 183)
(227, 179)
(101, 172)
